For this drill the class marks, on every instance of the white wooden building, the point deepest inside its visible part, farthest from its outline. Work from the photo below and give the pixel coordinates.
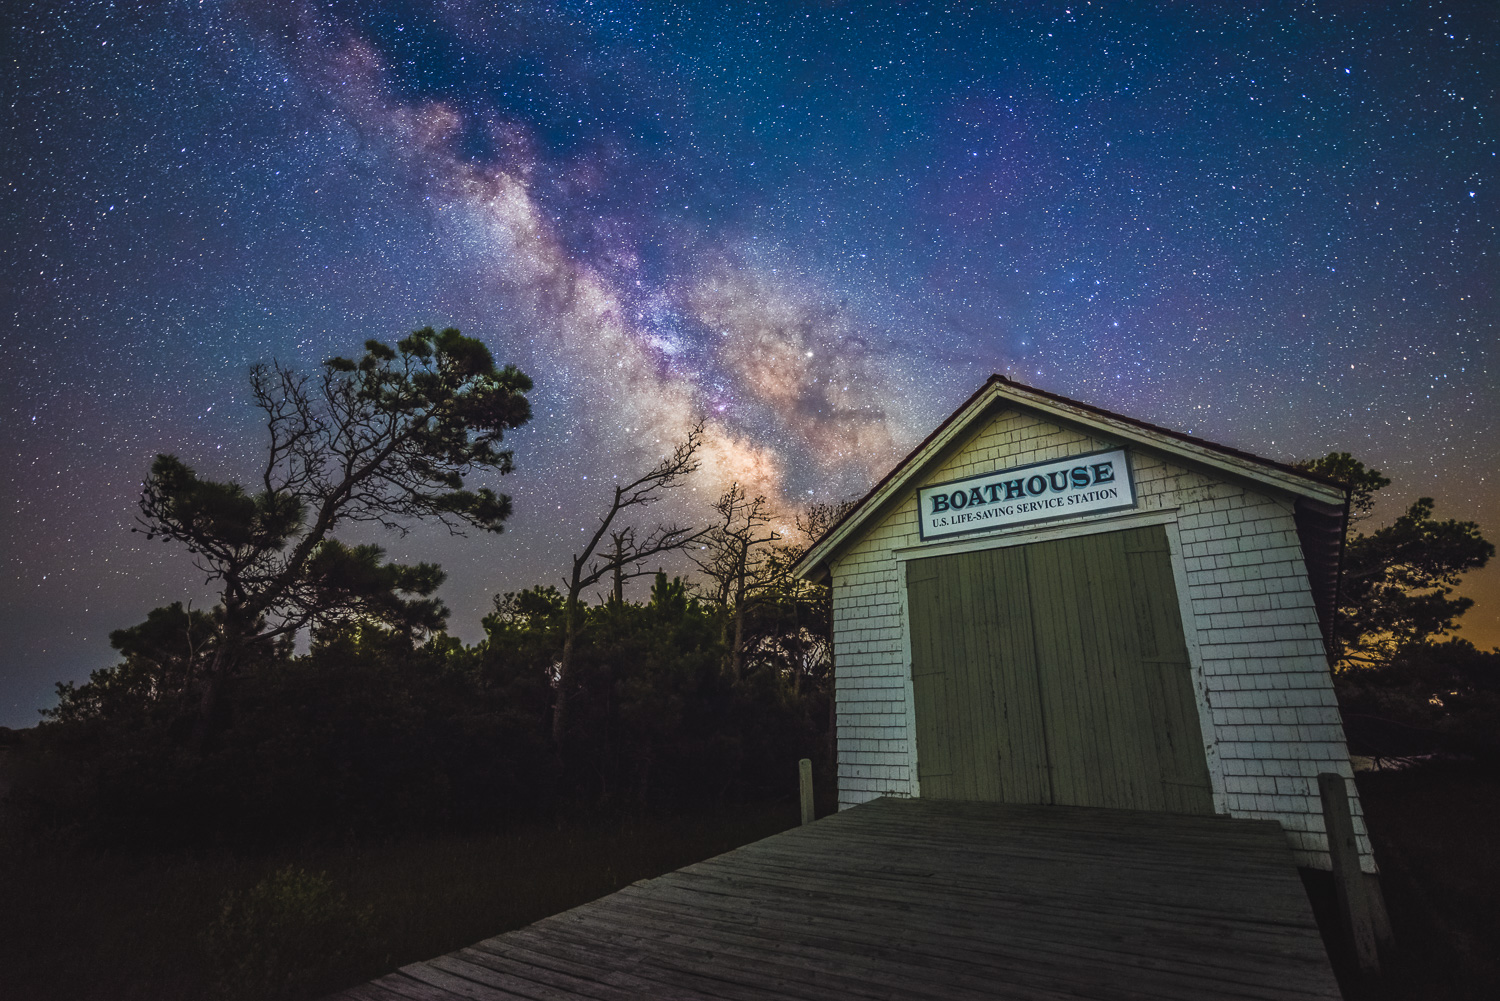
(1087, 609)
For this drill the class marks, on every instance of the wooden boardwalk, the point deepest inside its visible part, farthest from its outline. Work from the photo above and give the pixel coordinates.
(926, 899)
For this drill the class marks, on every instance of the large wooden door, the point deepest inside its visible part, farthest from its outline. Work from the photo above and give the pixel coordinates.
(1056, 673)
(974, 669)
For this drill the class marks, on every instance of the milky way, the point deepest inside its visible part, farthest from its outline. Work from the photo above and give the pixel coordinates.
(815, 227)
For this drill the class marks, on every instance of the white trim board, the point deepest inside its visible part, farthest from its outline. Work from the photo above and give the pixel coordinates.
(1020, 536)
(1025, 535)
(999, 395)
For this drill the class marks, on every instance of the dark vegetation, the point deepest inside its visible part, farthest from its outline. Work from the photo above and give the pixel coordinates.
(1406, 686)
(1425, 706)
(1430, 824)
(219, 815)
(307, 919)
(371, 733)
(1432, 829)
(212, 731)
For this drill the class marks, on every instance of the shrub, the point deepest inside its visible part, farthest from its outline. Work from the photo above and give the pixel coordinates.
(288, 935)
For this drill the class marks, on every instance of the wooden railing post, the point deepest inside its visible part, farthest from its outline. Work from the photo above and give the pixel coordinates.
(1348, 880)
(804, 775)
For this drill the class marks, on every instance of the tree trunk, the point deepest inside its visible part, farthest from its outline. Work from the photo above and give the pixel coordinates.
(833, 716)
(564, 676)
(207, 703)
(737, 652)
(221, 664)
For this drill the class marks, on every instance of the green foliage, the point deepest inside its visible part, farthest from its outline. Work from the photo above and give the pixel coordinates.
(1397, 584)
(162, 657)
(385, 438)
(221, 519)
(659, 721)
(535, 606)
(386, 724)
(354, 584)
(1405, 685)
(289, 933)
(366, 732)
(1348, 472)
(370, 731)
(169, 640)
(1431, 696)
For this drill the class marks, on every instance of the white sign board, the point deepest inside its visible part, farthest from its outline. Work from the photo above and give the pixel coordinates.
(1082, 484)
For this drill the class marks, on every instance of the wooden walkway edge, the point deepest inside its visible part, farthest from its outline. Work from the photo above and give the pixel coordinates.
(931, 900)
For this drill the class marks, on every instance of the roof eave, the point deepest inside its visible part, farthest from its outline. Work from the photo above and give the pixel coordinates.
(816, 562)
(1272, 474)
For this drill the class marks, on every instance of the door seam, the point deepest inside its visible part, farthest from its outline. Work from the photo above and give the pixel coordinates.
(1041, 691)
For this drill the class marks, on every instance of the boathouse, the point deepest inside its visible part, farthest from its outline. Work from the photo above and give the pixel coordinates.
(1050, 603)
(1045, 603)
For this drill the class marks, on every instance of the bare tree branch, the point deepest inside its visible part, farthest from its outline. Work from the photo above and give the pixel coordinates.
(386, 439)
(628, 553)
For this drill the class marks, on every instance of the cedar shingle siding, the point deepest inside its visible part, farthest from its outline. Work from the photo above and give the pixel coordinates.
(1260, 674)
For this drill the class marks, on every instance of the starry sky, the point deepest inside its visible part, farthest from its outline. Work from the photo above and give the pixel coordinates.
(819, 226)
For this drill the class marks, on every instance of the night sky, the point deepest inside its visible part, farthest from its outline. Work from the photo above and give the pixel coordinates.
(820, 225)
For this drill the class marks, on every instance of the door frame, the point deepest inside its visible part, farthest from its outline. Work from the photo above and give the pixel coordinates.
(1167, 518)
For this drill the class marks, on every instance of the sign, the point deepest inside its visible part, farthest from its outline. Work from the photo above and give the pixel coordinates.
(1082, 484)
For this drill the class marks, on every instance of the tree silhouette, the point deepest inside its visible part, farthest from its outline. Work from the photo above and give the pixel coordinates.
(384, 439)
(739, 566)
(623, 560)
(1397, 582)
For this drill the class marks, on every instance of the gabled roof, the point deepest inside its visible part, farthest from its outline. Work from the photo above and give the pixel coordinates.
(1323, 499)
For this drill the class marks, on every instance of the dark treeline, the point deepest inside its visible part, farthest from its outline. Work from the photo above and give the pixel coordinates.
(370, 731)
(211, 729)
(1407, 686)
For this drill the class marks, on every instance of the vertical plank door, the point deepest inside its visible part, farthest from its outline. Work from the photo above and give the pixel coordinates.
(929, 679)
(974, 681)
(1056, 672)
(1180, 751)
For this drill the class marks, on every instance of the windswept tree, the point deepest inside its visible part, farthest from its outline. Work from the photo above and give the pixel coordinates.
(815, 600)
(815, 522)
(1360, 480)
(387, 438)
(626, 556)
(161, 656)
(738, 564)
(1396, 592)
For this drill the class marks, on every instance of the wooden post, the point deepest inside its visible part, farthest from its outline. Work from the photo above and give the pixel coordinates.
(1354, 903)
(1384, 937)
(804, 770)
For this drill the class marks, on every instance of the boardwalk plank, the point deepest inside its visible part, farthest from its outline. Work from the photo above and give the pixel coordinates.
(1003, 948)
(922, 900)
(541, 981)
(1020, 924)
(556, 956)
(452, 984)
(371, 992)
(401, 986)
(947, 960)
(901, 891)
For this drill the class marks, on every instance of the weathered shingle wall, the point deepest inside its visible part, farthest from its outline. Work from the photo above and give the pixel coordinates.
(1275, 724)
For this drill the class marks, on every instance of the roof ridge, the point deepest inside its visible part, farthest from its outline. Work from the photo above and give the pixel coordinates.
(998, 379)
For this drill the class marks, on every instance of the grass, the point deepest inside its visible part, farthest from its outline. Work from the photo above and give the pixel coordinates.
(125, 927)
(1435, 829)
